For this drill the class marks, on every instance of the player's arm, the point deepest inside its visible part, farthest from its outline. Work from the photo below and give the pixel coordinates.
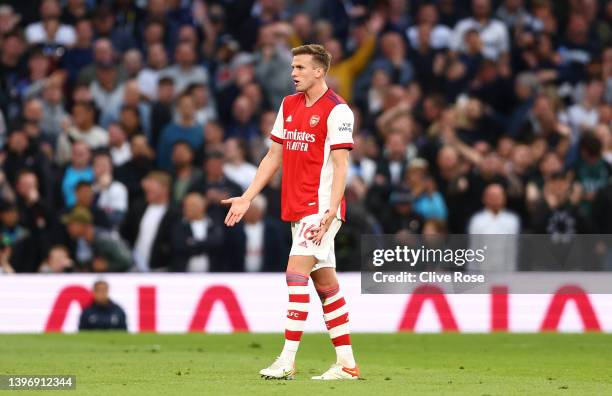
(267, 168)
(340, 133)
(340, 163)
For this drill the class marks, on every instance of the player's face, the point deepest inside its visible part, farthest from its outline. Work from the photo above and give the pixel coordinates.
(305, 72)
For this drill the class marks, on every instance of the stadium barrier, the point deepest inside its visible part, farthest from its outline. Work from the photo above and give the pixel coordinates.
(178, 303)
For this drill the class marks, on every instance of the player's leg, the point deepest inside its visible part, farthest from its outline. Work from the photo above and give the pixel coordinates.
(336, 316)
(297, 275)
(298, 270)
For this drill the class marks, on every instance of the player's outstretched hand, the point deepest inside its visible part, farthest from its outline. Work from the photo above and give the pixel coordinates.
(237, 210)
(319, 233)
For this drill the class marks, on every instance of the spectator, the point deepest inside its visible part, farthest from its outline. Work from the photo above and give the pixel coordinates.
(502, 247)
(185, 129)
(161, 110)
(103, 313)
(35, 214)
(85, 199)
(584, 115)
(21, 153)
(58, 261)
(50, 30)
(400, 216)
(54, 114)
(265, 248)
(260, 144)
(493, 33)
(93, 249)
(205, 107)
(273, 66)
(343, 71)
(186, 71)
(428, 202)
(5, 265)
(236, 168)
(8, 19)
(118, 144)
(592, 171)
(81, 54)
(104, 57)
(111, 195)
(78, 170)
(196, 239)
(148, 225)
(184, 173)
(104, 24)
(133, 171)
(19, 245)
(214, 185)
(439, 35)
(148, 78)
(107, 91)
(244, 126)
(393, 60)
(84, 130)
(494, 218)
(556, 212)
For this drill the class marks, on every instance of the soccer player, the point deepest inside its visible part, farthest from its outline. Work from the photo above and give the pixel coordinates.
(311, 138)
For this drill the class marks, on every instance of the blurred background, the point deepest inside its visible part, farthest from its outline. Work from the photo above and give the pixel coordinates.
(124, 123)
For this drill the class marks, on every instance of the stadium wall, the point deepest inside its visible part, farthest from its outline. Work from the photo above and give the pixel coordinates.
(178, 303)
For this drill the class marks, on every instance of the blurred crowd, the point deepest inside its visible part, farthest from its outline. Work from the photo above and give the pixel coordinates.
(124, 123)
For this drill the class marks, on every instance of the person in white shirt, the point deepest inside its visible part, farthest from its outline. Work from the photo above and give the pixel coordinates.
(236, 168)
(112, 196)
(585, 115)
(148, 225)
(84, 129)
(49, 29)
(120, 149)
(497, 229)
(439, 36)
(254, 229)
(196, 238)
(493, 33)
(185, 71)
(157, 60)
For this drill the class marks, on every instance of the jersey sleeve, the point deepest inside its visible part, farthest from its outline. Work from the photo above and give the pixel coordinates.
(340, 127)
(277, 134)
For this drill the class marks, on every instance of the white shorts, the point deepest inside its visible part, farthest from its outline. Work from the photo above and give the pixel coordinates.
(302, 245)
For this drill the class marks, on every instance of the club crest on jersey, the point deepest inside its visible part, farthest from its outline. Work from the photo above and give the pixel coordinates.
(314, 120)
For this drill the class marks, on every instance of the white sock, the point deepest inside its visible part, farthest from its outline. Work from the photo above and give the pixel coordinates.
(290, 350)
(344, 354)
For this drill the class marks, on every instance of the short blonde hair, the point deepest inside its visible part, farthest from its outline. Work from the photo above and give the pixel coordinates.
(160, 177)
(319, 54)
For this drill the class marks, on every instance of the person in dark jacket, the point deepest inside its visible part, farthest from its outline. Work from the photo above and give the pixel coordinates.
(266, 250)
(214, 185)
(197, 239)
(148, 225)
(103, 313)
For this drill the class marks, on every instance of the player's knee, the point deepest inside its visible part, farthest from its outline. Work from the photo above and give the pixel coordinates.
(327, 289)
(296, 278)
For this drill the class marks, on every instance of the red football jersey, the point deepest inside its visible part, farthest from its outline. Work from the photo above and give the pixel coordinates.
(308, 135)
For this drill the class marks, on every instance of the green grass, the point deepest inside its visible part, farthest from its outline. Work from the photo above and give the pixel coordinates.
(391, 364)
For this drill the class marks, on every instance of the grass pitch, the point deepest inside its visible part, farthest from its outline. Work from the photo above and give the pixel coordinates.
(391, 364)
